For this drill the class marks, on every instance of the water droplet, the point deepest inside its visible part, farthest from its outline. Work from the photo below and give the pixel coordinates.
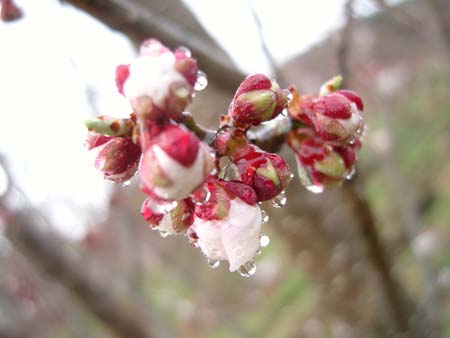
(264, 241)
(163, 233)
(258, 252)
(264, 217)
(288, 94)
(213, 263)
(279, 200)
(351, 173)
(202, 81)
(186, 51)
(126, 183)
(247, 269)
(317, 189)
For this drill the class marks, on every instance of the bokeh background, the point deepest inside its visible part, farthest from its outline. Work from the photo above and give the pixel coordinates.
(371, 259)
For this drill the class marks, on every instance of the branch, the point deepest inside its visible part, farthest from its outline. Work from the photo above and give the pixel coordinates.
(120, 311)
(138, 22)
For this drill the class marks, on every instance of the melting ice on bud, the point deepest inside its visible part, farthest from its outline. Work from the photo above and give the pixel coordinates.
(264, 241)
(279, 200)
(257, 99)
(229, 225)
(165, 79)
(202, 81)
(175, 164)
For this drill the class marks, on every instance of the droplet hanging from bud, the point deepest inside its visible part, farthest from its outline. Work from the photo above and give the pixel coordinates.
(126, 183)
(213, 263)
(264, 241)
(248, 269)
(288, 95)
(186, 51)
(264, 217)
(279, 200)
(202, 81)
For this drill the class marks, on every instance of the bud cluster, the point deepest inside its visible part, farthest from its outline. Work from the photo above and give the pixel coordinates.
(209, 185)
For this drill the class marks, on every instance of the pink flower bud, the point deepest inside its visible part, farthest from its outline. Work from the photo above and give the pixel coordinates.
(257, 99)
(235, 235)
(175, 164)
(172, 222)
(320, 164)
(163, 79)
(116, 157)
(267, 173)
(9, 11)
(229, 140)
(336, 116)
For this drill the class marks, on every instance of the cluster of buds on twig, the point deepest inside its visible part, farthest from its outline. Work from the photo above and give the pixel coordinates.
(209, 185)
(326, 135)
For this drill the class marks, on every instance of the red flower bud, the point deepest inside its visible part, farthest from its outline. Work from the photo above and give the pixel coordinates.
(229, 140)
(116, 157)
(175, 163)
(267, 173)
(257, 99)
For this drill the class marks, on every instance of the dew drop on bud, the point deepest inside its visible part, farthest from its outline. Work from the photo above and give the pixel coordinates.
(264, 241)
(264, 217)
(258, 252)
(279, 200)
(126, 183)
(213, 263)
(163, 233)
(186, 51)
(202, 195)
(288, 95)
(247, 269)
(202, 81)
(351, 174)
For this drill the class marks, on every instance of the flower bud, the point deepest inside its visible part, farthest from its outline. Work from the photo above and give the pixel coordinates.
(162, 79)
(257, 99)
(336, 117)
(321, 165)
(116, 157)
(175, 164)
(229, 140)
(172, 222)
(235, 235)
(108, 125)
(9, 11)
(331, 85)
(268, 174)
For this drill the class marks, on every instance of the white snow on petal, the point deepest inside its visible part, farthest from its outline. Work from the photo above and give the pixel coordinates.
(184, 179)
(166, 225)
(234, 238)
(152, 76)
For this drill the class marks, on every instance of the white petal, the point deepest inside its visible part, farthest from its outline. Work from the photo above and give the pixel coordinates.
(166, 225)
(234, 238)
(152, 76)
(184, 179)
(240, 236)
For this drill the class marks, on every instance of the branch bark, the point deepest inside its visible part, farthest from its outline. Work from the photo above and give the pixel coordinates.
(138, 22)
(113, 304)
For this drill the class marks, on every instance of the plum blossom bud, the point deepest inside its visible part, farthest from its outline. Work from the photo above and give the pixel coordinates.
(336, 116)
(172, 222)
(320, 164)
(175, 163)
(229, 140)
(9, 11)
(257, 99)
(232, 234)
(159, 83)
(267, 173)
(108, 125)
(116, 157)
